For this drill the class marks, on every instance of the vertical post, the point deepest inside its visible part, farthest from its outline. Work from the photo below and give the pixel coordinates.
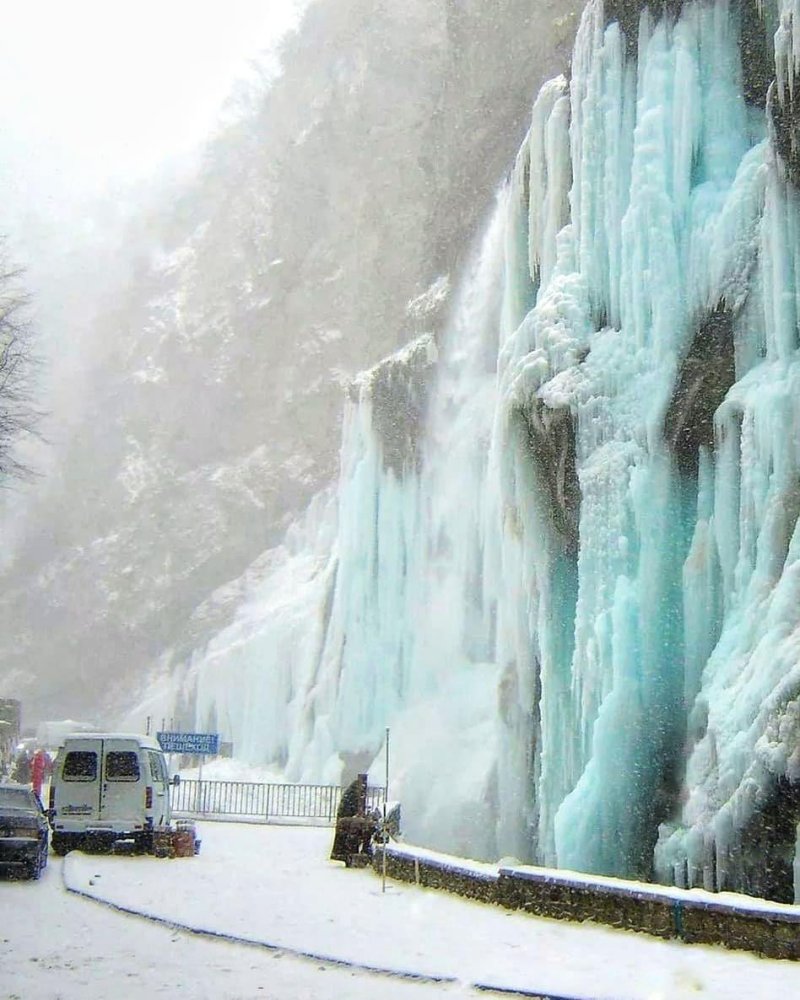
(199, 799)
(385, 796)
(147, 727)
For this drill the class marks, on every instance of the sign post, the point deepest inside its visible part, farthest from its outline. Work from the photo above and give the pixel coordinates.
(196, 744)
(385, 797)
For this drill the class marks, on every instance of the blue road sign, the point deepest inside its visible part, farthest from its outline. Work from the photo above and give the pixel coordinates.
(193, 743)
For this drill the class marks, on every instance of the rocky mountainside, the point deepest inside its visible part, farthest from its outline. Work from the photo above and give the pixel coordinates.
(342, 191)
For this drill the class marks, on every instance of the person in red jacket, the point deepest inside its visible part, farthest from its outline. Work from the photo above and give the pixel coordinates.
(40, 768)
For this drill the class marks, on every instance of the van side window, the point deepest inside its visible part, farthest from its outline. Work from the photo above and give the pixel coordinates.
(157, 768)
(122, 765)
(80, 765)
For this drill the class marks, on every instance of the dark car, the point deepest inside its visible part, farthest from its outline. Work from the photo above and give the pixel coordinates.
(23, 830)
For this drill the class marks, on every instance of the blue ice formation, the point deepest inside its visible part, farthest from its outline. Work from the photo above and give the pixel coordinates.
(563, 563)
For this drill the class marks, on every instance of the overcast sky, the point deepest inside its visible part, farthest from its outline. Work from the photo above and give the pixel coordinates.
(97, 93)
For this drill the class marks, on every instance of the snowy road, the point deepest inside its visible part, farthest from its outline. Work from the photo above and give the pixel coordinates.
(57, 946)
(275, 885)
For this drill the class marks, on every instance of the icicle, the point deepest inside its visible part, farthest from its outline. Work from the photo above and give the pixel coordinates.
(550, 177)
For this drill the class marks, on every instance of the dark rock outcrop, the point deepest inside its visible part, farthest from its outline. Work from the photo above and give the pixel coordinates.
(551, 436)
(398, 389)
(627, 12)
(758, 65)
(704, 377)
(764, 864)
(785, 119)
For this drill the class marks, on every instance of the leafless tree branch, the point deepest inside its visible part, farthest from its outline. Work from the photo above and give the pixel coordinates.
(19, 416)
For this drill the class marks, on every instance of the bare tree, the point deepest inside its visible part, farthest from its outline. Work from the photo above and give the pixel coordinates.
(18, 363)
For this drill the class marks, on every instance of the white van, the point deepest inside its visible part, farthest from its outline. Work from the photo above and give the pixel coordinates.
(108, 787)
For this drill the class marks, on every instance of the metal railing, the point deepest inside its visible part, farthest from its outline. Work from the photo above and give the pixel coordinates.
(265, 802)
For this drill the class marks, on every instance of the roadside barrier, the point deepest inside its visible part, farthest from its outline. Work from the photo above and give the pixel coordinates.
(262, 801)
(758, 925)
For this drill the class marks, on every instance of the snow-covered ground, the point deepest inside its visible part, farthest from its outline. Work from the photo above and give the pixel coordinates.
(275, 885)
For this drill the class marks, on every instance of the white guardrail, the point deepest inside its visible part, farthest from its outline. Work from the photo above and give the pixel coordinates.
(262, 801)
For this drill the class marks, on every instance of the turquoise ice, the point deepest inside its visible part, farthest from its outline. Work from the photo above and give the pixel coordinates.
(562, 562)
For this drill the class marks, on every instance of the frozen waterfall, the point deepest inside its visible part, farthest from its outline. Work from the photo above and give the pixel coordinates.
(563, 562)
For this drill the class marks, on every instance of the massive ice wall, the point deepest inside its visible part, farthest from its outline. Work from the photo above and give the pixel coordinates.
(565, 570)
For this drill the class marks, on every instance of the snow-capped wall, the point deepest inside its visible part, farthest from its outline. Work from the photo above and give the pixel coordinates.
(577, 606)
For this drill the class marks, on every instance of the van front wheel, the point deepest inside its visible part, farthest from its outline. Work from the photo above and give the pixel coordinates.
(62, 843)
(144, 842)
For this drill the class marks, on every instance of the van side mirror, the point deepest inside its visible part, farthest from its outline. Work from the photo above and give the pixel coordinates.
(176, 779)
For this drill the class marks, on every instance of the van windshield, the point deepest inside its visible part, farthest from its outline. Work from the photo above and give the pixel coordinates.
(80, 765)
(122, 765)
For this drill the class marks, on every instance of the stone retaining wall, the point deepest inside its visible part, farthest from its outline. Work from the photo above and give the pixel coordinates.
(665, 914)
(437, 875)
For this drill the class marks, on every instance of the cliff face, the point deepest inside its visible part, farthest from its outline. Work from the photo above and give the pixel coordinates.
(344, 190)
(577, 607)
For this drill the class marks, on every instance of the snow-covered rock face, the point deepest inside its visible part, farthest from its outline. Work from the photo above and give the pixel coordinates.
(579, 610)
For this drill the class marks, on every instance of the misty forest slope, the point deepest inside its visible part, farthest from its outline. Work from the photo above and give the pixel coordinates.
(341, 193)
